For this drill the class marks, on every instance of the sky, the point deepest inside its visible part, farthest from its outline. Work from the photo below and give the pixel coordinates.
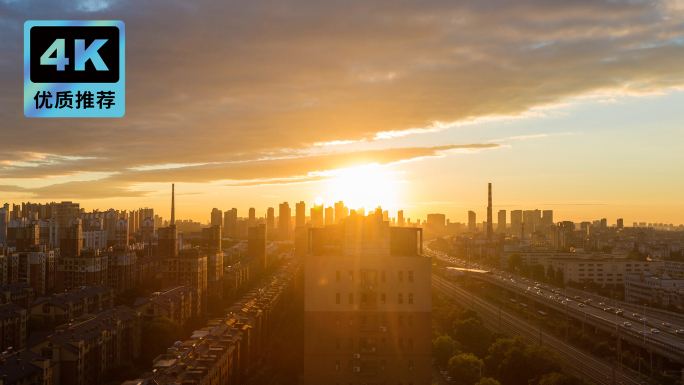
(573, 106)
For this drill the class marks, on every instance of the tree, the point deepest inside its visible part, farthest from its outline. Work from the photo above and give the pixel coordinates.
(560, 277)
(473, 335)
(500, 348)
(550, 274)
(537, 272)
(514, 260)
(465, 368)
(522, 365)
(158, 334)
(488, 381)
(562, 379)
(443, 348)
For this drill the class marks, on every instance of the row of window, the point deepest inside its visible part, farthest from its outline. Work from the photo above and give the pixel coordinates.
(370, 320)
(370, 299)
(370, 344)
(383, 366)
(371, 276)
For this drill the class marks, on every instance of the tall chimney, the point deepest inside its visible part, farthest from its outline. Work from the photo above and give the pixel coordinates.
(173, 207)
(489, 216)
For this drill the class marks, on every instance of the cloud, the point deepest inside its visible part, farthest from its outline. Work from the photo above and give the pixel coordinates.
(212, 82)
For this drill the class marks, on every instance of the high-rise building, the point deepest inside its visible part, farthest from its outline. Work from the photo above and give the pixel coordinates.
(436, 221)
(256, 244)
(270, 220)
(252, 217)
(300, 213)
(211, 238)
(88, 269)
(121, 232)
(490, 231)
(188, 267)
(71, 239)
(367, 305)
(329, 216)
(547, 218)
(64, 212)
(400, 218)
(216, 217)
(620, 223)
(341, 211)
(284, 214)
(121, 268)
(167, 237)
(502, 222)
(516, 222)
(317, 216)
(4, 218)
(472, 221)
(230, 223)
(604, 223)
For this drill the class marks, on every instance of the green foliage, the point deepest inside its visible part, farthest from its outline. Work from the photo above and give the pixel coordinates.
(473, 335)
(514, 261)
(488, 381)
(158, 334)
(465, 368)
(515, 363)
(562, 379)
(443, 348)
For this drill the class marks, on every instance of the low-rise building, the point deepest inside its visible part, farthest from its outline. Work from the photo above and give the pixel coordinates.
(25, 367)
(174, 302)
(84, 348)
(13, 319)
(651, 288)
(66, 306)
(19, 293)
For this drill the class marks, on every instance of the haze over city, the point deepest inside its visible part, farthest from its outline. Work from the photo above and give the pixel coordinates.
(574, 106)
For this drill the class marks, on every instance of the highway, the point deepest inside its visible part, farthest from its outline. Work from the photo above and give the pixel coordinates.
(632, 322)
(576, 360)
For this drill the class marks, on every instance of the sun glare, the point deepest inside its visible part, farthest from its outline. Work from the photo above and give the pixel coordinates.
(365, 186)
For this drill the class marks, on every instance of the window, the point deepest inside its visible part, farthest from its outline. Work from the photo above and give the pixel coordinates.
(410, 276)
(351, 320)
(400, 366)
(410, 365)
(337, 343)
(401, 320)
(383, 298)
(410, 320)
(400, 298)
(382, 277)
(351, 298)
(401, 276)
(337, 364)
(337, 276)
(410, 299)
(410, 343)
(382, 365)
(337, 298)
(351, 343)
(351, 276)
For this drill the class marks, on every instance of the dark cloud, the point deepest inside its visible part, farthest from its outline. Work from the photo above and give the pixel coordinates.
(217, 81)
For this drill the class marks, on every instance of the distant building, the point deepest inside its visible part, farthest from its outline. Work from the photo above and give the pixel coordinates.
(174, 302)
(26, 367)
(256, 245)
(13, 329)
(66, 306)
(329, 216)
(516, 222)
(501, 226)
(300, 213)
(472, 221)
(189, 267)
(88, 269)
(216, 217)
(284, 214)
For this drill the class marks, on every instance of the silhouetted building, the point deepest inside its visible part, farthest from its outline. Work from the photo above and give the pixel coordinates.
(256, 245)
(516, 222)
(317, 215)
(329, 216)
(284, 217)
(367, 305)
(490, 231)
(502, 222)
(189, 267)
(71, 239)
(300, 213)
(472, 221)
(216, 217)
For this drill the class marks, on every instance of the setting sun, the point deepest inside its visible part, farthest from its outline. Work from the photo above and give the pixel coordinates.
(366, 186)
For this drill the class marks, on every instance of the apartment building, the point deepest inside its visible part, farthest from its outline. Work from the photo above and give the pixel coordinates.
(19, 294)
(84, 348)
(367, 304)
(188, 268)
(174, 302)
(13, 330)
(88, 269)
(66, 306)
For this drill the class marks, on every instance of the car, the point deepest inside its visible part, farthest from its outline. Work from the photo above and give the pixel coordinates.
(667, 324)
(578, 297)
(655, 331)
(619, 312)
(644, 319)
(679, 331)
(607, 309)
(564, 303)
(588, 300)
(602, 304)
(582, 305)
(628, 324)
(636, 315)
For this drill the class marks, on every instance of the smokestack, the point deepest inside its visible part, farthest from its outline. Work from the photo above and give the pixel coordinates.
(173, 207)
(489, 216)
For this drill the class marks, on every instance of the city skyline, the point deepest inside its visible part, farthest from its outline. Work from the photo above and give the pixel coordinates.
(410, 128)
